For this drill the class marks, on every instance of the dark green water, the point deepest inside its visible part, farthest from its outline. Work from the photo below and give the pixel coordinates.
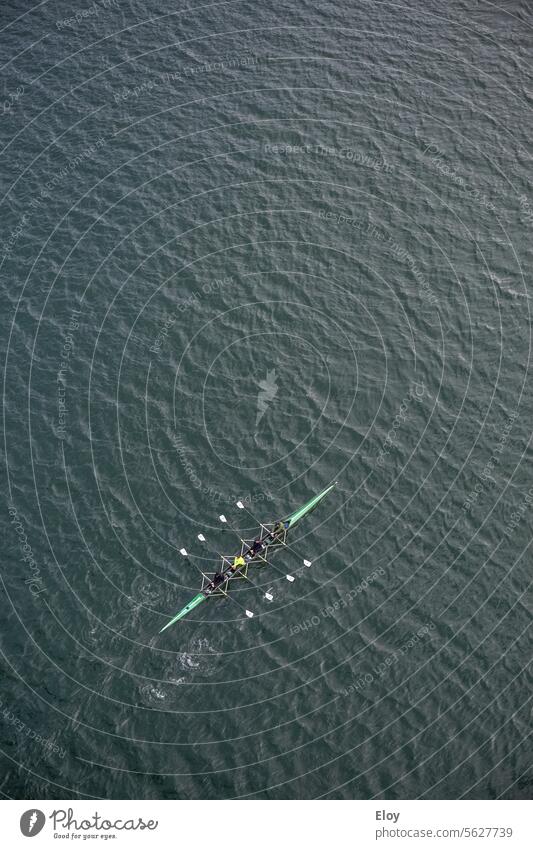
(249, 249)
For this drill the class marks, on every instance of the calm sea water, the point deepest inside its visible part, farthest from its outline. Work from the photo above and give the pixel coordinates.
(247, 250)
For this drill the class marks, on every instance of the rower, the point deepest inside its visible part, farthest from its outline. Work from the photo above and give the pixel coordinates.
(218, 579)
(255, 547)
(238, 562)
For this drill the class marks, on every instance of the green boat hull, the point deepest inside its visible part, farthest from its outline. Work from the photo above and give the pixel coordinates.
(299, 514)
(185, 610)
(289, 522)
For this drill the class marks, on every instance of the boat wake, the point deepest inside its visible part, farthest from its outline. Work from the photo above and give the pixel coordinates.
(198, 658)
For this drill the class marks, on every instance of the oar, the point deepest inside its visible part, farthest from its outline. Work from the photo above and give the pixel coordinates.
(186, 554)
(232, 598)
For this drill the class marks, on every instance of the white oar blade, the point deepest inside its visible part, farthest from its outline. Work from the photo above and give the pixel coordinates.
(182, 551)
(223, 519)
(240, 505)
(201, 537)
(307, 563)
(290, 578)
(249, 614)
(269, 596)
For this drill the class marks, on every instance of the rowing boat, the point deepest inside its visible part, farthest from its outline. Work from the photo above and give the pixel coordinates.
(271, 537)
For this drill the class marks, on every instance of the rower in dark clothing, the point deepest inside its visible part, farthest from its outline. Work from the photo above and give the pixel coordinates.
(218, 579)
(255, 547)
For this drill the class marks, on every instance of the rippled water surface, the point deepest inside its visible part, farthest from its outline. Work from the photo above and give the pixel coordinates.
(247, 250)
